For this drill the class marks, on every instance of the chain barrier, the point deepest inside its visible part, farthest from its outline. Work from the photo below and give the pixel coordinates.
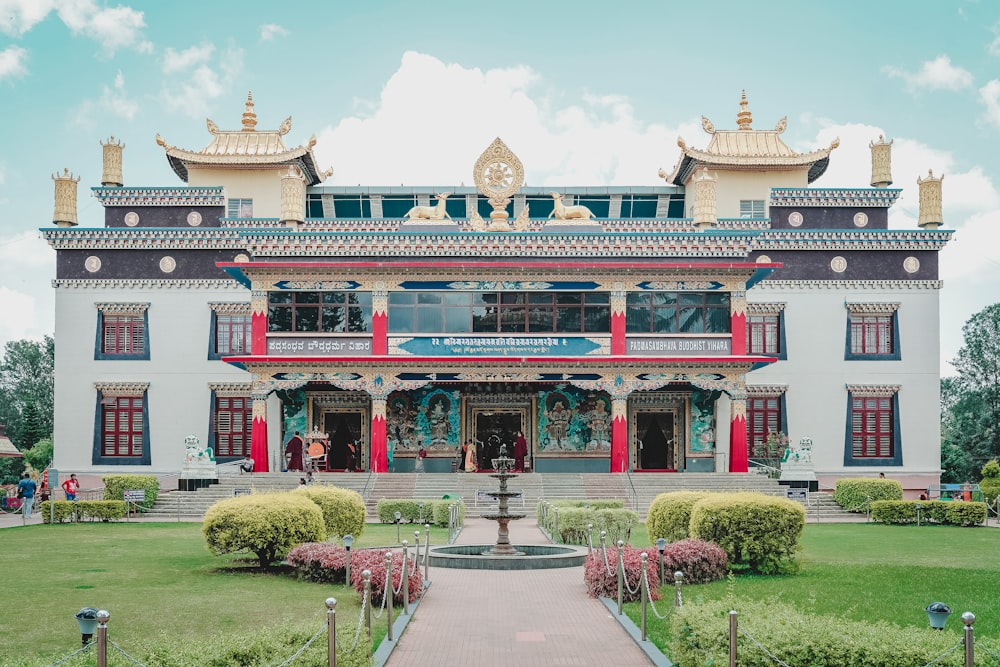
(385, 589)
(756, 643)
(650, 599)
(621, 564)
(301, 650)
(607, 564)
(402, 577)
(127, 656)
(958, 645)
(983, 647)
(361, 622)
(64, 660)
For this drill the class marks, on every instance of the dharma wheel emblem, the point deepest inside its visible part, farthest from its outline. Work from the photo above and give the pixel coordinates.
(498, 175)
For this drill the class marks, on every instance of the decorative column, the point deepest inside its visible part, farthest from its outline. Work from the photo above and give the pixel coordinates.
(739, 456)
(738, 321)
(64, 214)
(619, 433)
(881, 163)
(618, 319)
(379, 458)
(258, 428)
(258, 323)
(293, 198)
(705, 215)
(930, 201)
(112, 174)
(380, 318)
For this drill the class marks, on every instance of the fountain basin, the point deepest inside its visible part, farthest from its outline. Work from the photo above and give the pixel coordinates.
(535, 557)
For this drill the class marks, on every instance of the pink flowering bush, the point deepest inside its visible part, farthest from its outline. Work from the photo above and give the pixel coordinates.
(601, 583)
(700, 561)
(374, 560)
(322, 562)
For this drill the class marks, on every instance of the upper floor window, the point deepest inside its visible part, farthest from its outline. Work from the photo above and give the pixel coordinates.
(122, 331)
(239, 208)
(765, 329)
(873, 433)
(873, 331)
(319, 312)
(751, 208)
(677, 312)
(230, 329)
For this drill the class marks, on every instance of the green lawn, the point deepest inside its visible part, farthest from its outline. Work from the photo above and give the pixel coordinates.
(866, 572)
(154, 578)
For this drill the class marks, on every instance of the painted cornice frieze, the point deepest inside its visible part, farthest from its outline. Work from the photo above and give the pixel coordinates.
(142, 239)
(846, 285)
(163, 196)
(839, 197)
(146, 283)
(893, 239)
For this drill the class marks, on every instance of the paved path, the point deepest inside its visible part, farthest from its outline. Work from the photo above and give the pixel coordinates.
(529, 618)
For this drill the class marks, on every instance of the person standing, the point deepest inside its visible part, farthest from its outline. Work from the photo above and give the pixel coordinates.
(71, 486)
(26, 490)
(520, 451)
(293, 452)
(470, 458)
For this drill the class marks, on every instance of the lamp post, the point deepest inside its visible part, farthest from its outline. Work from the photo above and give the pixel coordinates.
(87, 618)
(348, 542)
(398, 515)
(937, 614)
(661, 546)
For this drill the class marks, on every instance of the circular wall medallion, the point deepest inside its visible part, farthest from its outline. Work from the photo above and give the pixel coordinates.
(838, 264)
(795, 219)
(241, 258)
(131, 218)
(194, 218)
(763, 259)
(911, 264)
(168, 264)
(92, 264)
(860, 219)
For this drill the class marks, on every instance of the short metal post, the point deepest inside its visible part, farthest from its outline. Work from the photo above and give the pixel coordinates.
(968, 618)
(678, 580)
(331, 631)
(102, 638)
(389, 588)
(555, 528)
(732, 638)
(643, 593)
(416, 537)
(604, 537)
(590, 538)
(918, 515)
(427, 553)
(621, 576)
(405, 579)
(366, 576)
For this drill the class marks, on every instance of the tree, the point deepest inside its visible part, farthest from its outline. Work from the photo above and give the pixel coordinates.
(27, 378)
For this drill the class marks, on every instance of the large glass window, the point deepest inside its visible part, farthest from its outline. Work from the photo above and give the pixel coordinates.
(677, 312)
(122, 426)
(232, 425)
(319, 312)
(872, 426)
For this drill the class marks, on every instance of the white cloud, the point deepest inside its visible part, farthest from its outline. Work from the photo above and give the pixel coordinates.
(114, 27)
(269, 31)
(12, 62)
(178, 61)
(193, 89)
(937, 74)
(989, 95)
(20, 16)
(114, 100)
(581, 142)
(26, 262)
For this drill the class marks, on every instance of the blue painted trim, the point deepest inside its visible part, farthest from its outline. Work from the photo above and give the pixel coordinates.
(237, 274)
(101, 356)
(782, 340)
(213, 330)
(896, 345)
(871, 462)
(759, 275)
(783, 406)
(97, 458)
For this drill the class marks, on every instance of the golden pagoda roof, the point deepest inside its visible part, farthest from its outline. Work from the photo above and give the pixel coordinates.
(746, 148)
(246, 147)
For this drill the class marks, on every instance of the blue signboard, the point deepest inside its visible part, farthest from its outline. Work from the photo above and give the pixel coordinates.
(500, 346)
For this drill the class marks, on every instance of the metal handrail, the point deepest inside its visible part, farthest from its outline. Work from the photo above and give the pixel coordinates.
(633, 495)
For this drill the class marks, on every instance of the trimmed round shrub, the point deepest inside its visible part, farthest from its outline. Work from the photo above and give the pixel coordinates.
(343, 510)
(115, 487)
(602, 577)
(990, 484)
(441, 511)
(669, 514)
(618, 523)
(853, 493)
(374, 560)
(700, 561)
(265, 524)
(758, 533)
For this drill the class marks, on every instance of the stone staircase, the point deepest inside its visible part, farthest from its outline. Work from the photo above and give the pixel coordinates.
(637, 490)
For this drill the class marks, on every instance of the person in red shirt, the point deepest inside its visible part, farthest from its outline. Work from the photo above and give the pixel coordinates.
(71, 486)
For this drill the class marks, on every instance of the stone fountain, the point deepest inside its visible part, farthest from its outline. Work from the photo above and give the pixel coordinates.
(503, 465)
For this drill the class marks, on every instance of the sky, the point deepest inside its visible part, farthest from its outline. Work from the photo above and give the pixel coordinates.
(585, 93)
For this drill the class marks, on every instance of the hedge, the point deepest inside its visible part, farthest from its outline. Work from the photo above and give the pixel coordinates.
(700, 636)
(343, 510)
(373, 560)
(266, 524)
(441, 511)
(853, 493)
(990, 484)
(954, 513)
(758, 533)
(669, 514)
(86, 510)
(115, 487)
(602, 577)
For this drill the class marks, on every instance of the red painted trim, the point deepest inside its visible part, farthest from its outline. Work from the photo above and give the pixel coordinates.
(644, 266)
(619, 445)
(379, 459)
(258, 334)
(479, 361)
(618, 334)
(739, 456)
(258, 445)
(380, 334)
(739, 329)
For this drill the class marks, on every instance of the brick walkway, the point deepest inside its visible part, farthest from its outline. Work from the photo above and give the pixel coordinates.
(528, 618)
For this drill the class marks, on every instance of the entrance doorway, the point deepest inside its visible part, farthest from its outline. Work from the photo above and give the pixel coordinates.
(493, 428)
(344, 429)
(656, 440)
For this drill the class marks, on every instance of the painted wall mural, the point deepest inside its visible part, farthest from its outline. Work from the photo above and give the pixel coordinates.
(703, 421)
(293, 411)
(573, 422)
(428, 417)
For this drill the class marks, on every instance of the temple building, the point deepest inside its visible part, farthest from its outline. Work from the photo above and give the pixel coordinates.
(683, 327)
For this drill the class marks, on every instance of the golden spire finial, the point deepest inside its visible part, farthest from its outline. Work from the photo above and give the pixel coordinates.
(249, 117)
(743, 118)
